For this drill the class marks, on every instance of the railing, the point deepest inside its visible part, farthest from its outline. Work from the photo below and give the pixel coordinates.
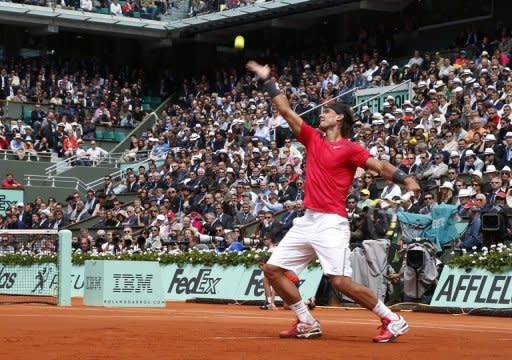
(28, 156)
(111, 159)
(153, 116)
(56, 181)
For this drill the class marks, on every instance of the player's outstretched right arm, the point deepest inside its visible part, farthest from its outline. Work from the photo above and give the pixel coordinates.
(280, 100)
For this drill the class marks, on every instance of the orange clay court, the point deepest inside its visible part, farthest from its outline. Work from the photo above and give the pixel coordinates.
(199, 331)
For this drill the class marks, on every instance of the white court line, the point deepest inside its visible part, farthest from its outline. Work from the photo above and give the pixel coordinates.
(355, 321)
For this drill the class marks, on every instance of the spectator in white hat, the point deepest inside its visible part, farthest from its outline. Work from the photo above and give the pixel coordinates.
(262, 131)
(490, 160)
(366, 115)
(490, 142)
(472, 162)
(505, 177)
(463, 198)
(445, 195)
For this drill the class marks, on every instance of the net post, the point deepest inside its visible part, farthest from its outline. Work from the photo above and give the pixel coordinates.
(64, 266)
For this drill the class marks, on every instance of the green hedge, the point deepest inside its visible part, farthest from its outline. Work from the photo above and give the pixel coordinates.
(246, 258)
(497, 259)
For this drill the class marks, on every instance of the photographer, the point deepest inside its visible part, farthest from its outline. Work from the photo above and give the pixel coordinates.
(272, 228)
(220, 244)
(357, 221)
(195, 245)
(472, 235)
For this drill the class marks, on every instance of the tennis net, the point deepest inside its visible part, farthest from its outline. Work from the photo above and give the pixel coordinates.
(30, 265)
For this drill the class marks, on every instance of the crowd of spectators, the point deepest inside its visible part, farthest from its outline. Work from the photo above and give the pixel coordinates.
(222, 157)
(70, 99)
(149, 9)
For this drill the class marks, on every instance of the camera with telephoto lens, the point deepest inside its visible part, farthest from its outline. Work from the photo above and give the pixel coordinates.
(207, 239)
(250, 241)
(353, 216)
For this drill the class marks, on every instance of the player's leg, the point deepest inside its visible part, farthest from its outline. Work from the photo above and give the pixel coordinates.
(293, 253)
(305, 326)
(393, 325)
(294, 278)
(331, 246)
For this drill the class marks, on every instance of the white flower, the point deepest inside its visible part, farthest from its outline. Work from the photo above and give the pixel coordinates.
(452, 253)
(474, 248)
(484, 249)
(493, 246)
(473, 262)
(481, 258)
(464, 251)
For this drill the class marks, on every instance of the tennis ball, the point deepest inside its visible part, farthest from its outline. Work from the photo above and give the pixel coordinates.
(239, 42)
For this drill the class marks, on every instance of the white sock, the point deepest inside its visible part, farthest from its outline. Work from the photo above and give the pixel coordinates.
(301, 310)
(382, 311)
(269, 300)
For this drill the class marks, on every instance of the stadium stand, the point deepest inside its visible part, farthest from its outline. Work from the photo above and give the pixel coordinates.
(137, 173)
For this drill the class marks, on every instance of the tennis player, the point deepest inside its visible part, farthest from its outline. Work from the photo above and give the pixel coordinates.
(324, 229)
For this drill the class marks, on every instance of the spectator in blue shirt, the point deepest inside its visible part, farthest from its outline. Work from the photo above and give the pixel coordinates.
(160, 150)
(17, 143)
(233, 245)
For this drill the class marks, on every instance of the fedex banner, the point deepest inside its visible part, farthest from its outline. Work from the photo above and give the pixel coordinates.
(474, 289)
(178, 283)
(216, 282)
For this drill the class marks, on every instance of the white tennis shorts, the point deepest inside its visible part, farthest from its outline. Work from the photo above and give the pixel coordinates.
(325, 235)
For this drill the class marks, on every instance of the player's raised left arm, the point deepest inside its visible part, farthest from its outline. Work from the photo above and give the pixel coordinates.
(390, 172)
(280, 101)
